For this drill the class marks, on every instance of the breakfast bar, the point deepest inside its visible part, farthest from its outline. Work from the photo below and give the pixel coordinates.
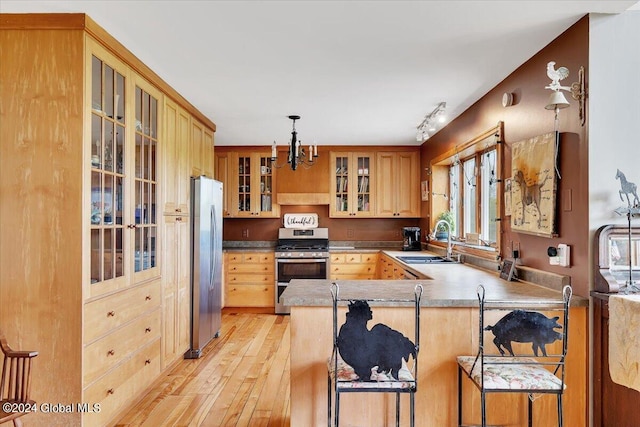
(449, 327)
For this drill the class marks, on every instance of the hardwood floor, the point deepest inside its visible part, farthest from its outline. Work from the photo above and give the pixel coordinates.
(242, 379)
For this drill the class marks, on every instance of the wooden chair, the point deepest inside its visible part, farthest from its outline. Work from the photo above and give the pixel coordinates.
(15, 384)
(342, 378)
(505, 364)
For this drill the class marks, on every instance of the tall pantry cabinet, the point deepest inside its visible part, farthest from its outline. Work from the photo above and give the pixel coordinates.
(93, 214)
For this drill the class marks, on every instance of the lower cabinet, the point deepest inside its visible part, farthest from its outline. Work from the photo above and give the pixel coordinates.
(391, 270)
(353, 266)
(250, 279)
(121, 354)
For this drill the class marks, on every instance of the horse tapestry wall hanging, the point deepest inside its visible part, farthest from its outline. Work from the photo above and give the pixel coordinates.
(533, 187)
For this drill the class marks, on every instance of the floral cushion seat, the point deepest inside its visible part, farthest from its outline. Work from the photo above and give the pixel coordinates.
(347, 377)
(511, 373)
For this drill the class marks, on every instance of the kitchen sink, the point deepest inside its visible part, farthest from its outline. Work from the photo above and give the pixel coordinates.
(423, 259)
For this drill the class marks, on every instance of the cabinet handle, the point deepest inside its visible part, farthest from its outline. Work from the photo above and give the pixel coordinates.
(178, 210)
(110, 391)
(147, 330)
(110, 353)
(179, 219)
(111, 314)
(147, 362)
(131, 226)
(148, 298)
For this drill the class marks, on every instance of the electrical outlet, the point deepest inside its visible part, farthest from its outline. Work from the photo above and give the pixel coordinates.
(350, 232)
(245, 233)
(564, 255)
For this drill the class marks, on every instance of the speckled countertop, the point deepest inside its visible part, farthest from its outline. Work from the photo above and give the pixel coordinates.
(445, 285)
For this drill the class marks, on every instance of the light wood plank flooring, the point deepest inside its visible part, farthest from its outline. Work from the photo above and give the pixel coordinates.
(242, 379)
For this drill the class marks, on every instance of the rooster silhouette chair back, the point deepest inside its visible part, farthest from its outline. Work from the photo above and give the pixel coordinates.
(375, 360)
(522, 346)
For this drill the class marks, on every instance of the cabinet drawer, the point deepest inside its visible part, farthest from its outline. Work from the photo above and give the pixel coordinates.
(117, 388)
(105, 314)
(353, 258)
(338, 258)
(250, 296)
(369, 258)
(107, 352)
(246, 278)
(252, 268)
(252, 257)
(352, 269)
(370, 276)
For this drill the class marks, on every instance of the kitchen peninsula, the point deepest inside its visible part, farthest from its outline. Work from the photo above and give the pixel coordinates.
(449, 327)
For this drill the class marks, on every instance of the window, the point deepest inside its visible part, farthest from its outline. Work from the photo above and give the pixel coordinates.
(475, 207)
(466, 182)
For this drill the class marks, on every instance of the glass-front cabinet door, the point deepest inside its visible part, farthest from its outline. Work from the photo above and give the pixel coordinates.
(145, 182)
(253, 185)
(108, 162)
(123, 169)
(351, 185)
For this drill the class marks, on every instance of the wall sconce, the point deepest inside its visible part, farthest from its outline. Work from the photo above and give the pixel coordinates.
(428, 124)
(557, 100)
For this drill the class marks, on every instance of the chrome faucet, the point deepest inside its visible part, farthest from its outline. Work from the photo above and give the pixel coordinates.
(449, 246)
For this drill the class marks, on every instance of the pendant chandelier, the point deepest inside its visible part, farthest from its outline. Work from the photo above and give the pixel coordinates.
(297, 154)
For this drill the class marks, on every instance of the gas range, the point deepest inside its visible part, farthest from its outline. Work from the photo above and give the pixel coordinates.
(302, 243)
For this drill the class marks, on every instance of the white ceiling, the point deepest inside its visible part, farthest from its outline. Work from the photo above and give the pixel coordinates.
(358, 72)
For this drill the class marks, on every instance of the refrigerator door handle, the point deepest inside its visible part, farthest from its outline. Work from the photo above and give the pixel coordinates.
(212, 259)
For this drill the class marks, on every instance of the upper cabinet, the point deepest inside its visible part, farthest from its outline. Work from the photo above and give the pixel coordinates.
(176, 159)
(123, 215)
(352, 180)
(250, 184)
(398, 184)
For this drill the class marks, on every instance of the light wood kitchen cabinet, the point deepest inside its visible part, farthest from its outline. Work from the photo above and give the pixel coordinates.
(353, 266)
(88, 194)
(389, 269)
(352, 183)
(397, 184)
(250, 279)
(201, 149)
(252, 185)
(222, 173)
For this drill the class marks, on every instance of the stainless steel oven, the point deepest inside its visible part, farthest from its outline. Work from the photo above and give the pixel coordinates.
(300, 254)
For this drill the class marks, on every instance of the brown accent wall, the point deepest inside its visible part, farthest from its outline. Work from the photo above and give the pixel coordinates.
(525, 119)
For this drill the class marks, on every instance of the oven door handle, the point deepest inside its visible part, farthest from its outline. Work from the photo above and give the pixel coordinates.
(301, 260)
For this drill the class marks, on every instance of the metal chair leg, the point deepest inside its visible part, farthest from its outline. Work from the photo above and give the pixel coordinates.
(329, 401)
(397, 409)
(560, 415)
(337, 410)
(483, 409)
(459, 396)
(413, 409)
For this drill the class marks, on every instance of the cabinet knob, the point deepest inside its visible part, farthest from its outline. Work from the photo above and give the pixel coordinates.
(111, 313)
(147, 362)
(148, 298)
(178, 210)
(110, 391)
(110, 353)
(131, 226)
(179, 219)
(147, 330)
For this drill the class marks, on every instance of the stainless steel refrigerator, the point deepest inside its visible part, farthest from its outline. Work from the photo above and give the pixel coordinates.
(206, 263)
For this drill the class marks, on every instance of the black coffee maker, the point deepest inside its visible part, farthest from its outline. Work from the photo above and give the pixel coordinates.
(411, 239)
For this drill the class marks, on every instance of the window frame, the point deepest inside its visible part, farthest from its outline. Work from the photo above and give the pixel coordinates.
(442, 185)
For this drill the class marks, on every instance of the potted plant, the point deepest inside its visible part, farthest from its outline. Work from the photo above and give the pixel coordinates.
(441, 230)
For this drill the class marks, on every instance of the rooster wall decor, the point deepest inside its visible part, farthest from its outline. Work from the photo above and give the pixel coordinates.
(556, 75)
(380, 349)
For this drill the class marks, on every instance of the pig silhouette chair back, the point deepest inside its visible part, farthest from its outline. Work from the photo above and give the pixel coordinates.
(376, 360)
(522, 349)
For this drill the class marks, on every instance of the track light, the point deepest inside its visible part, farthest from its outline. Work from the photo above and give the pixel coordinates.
(428, 124)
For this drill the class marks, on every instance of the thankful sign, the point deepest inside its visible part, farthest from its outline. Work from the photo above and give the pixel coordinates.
(301, 220)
